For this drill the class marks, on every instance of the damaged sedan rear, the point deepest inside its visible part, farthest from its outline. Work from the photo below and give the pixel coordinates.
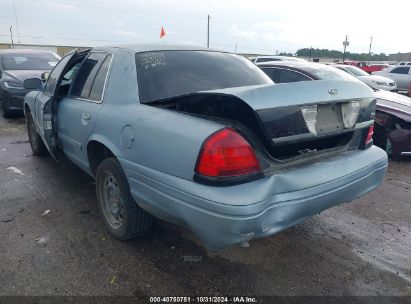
(206, 140)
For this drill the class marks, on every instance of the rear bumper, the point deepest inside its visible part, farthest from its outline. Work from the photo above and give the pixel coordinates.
(223, 216)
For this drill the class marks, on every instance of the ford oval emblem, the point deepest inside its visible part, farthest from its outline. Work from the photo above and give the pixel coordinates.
(333, 91)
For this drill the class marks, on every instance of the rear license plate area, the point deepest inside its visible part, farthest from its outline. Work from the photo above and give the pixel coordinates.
(329, 119)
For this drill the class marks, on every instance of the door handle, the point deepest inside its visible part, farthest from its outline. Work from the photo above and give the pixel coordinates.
(85, 116)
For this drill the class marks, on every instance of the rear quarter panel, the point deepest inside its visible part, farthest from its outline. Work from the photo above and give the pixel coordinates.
(156, 138)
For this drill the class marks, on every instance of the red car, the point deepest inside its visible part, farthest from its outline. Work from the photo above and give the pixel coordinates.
(369, 68)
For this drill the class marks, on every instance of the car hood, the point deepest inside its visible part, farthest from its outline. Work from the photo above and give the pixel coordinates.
(21, 75)
(370, 78)
(395, 104)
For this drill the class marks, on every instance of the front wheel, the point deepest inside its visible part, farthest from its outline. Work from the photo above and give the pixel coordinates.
(6, 111)
(122, 216)
(36, 143)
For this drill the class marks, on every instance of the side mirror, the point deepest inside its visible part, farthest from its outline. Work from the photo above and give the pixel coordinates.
(32, 84)
(44, 76)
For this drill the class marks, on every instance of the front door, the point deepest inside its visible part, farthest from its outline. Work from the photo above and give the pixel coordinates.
(77, 113)
(43, 110)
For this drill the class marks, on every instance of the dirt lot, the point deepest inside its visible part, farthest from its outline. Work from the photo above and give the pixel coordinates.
(361, 248)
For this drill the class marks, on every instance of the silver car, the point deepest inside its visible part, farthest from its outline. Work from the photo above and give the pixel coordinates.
(400, 73)
(375, 81)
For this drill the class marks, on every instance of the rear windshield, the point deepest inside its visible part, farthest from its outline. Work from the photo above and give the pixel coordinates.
(29, 61)
(163, 74)
(356, 71)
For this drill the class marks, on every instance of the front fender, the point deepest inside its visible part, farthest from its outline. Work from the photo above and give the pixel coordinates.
(30, 101)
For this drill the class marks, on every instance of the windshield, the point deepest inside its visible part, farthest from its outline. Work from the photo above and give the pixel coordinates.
(330, 73)
(355, 71)
(163, 74)
(29, 61)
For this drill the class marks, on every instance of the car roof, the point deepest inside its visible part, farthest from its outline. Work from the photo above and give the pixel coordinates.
(151, 47)
(23, 51)
(293, 64)
(344, 66)
(272, 56)
(304, 67)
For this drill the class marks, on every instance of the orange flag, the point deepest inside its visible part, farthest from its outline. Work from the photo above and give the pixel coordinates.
(162, 33)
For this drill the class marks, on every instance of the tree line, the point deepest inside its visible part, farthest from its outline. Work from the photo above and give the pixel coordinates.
(322, 53)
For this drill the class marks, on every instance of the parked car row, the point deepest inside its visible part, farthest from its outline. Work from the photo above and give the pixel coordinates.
(207, 140)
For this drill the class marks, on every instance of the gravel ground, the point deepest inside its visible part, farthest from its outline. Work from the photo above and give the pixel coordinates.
(360, 248)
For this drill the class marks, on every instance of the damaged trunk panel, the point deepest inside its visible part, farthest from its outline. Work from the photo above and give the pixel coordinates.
(282, 133)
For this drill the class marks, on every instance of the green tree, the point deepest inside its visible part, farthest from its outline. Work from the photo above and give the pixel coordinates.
(322, 53)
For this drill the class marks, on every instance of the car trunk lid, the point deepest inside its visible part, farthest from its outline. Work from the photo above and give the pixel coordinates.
(290, 119)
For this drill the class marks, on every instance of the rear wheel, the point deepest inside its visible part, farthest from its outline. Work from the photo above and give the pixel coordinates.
(381, 139)
(388, 148)
(122, 216)
(36, 142)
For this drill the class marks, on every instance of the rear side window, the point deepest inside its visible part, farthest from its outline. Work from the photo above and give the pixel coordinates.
(401, 70)
(291, 76)
(87, 74)
(273, 73)
(163, 74)
(100, 80)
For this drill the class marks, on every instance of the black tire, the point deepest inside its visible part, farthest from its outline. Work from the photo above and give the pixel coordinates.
(36, 142)
(122, 216)
(6, 112)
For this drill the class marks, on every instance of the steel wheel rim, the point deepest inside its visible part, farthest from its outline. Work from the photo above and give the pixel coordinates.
(112, 204)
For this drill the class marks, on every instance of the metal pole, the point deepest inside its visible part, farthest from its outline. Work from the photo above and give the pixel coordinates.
(345, 43)
(11, 36)
(17, 22)
(369, 51)
(208, 31)
(235, 51)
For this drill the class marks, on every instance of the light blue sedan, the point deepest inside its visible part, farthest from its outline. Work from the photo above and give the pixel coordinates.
(204, 139)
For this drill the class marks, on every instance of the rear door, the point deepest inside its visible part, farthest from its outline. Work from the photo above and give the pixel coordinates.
(43, 107)
(77, 113)
(402, 77)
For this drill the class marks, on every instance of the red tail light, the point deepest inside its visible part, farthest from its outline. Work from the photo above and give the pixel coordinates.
(369, 135)
(227, 153)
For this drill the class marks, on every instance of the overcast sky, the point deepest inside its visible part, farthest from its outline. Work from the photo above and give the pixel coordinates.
(256, 26)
